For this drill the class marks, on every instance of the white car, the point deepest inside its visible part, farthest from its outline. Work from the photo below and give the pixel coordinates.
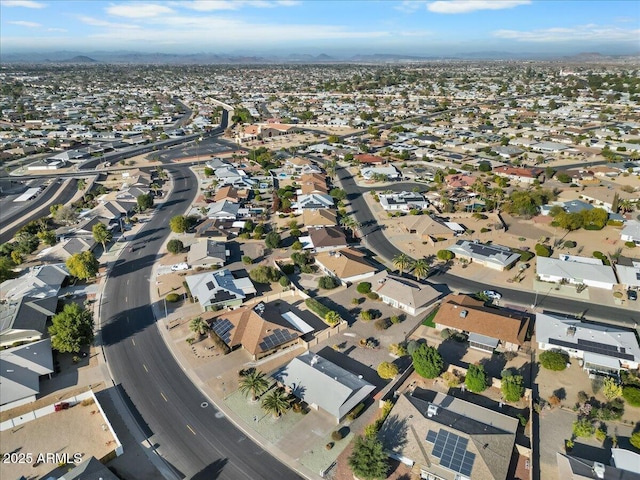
(179, 266)
(492, 294)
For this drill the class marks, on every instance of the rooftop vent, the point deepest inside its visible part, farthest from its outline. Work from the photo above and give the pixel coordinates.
(463, 314)
(598, 469)
(314, 360)
(571, 331)
(432, 410)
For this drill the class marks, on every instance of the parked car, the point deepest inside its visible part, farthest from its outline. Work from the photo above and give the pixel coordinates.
(492, 294)
(179, 266)
(632, 295)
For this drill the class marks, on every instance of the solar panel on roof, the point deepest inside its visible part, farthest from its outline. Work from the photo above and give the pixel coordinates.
(431, 436)
(452, 451)
(210, 285)
(592, 347)
(223, 330)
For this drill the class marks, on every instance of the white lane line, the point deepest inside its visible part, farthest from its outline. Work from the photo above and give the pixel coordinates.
(165, 398)
(145, 368)
(133, 341)
(192, 430)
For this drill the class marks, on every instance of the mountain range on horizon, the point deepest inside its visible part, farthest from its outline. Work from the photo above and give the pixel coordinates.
(130, 57)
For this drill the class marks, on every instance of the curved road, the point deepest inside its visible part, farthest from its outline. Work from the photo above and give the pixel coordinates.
(163, 399)
(377, 240)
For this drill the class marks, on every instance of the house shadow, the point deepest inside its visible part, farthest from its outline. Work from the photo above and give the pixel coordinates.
(453, 351)
(494, 365)
(596, 454)
(126, 324)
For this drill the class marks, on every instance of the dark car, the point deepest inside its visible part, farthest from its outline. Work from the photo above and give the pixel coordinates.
(632, 295)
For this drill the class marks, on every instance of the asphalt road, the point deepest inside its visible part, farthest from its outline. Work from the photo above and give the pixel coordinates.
(161, 397)
(36, 208)
(375, 239)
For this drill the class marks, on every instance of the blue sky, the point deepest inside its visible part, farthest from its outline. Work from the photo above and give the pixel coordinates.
(343, 27)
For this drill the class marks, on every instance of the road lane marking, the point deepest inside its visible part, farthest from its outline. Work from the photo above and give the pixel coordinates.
(126, 299)
(192, 430)
(145, 368)
(165, 398)
(127, 282)
(133, 341)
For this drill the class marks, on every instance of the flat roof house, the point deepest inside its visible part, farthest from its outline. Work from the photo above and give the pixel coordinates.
(390, 172)
(448, 438)
(347, 265)
(603, 348)
(323, 385)
(219, 289)
(496, 257)
(487, 327)
(403, 201)
(576, 270)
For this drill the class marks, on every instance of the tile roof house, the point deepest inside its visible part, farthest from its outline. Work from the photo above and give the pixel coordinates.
(323, 385)
(255, 329)
(370, 159)
(321, 239)
(576, 270)
(20, 371)
(407, 295)
(492, 256)
(603, 348)
(444, 437)
(313, 183)
(487, 327)
(218, 230)
(518, 174)
(228, 193)
(219, 289)
(205, 253)
(458, 180)
(321, 217)
(427, 227)
(25, 319)
(347, 265)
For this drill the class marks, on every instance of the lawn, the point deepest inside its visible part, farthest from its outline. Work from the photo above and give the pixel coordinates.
(428, 321)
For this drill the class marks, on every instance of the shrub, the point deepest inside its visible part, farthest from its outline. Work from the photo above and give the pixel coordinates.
(172, 297)
(327, 282)
(631, 395)
(336, 435)
(476, 378)
(396, 319)
(398, 349)
(382, 323)
(363, 288)
(272, 240)
(373, 296)
(570, 244)
(542, 250)
(284, 282)
(247, 260)
(629, 244)
(412, 346)
(366, 315)
(484, 230)
(445, 255)
(355, 413)
(525, 256)
(512, 388)
(583, 428)
(175, 246)
(387, 370)
(582, 396)
(451, 379)
(288, 268)
(611, 389)
(554, 360)
(427, 361)
(635, 440)
(445, 334)
(265, 274)
(316, 307)
(601, 434)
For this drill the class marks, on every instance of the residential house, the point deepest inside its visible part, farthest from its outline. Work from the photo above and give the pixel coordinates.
(403, 201)
(295, 165)
(631, 232)
(322, 239)
(602, 348)
(403, 293)
(20, 370)
(429, 228)
(258, 329)
(571, 467)
(323, 385)
(487, 327)
(219, 289)
(370, 159)
(322, 217)
(89, 469)
(576, 270)
(491, 256)
(206, 253)
(628, 272)
(458, 180)
(218, 230)
(518, 174)
(313, 201)
(346, 265)
(233, 176)
(313, 183)
(42, 281)
(228, 193)
(388, 173)
(508, 151)
(603, 197)
(224, 210)
(25, 319)
(449, 438)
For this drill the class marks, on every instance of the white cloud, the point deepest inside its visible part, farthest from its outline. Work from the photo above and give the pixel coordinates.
(590, 32)
(22, 3)
(213, 5)
(96, 22)
(57, 30)
(22, 23)
(467, 6)
(138, 10)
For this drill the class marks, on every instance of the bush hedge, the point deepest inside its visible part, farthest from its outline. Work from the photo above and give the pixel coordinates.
(316, 307)
(554, 360)
(172, 298)
(542, 250)
(363, 287)
(355, 413)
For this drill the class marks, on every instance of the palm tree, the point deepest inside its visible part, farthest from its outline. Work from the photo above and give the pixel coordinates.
(276, 403)
(626, 206)
(401, 262)
(420, 268)
(350, 223)
(199, 326)
(333, 317)
(254, 382)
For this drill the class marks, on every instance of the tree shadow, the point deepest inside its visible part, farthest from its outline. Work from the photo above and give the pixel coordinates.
(211, 471)
(494, 365)
(394, 433)
(561, 393)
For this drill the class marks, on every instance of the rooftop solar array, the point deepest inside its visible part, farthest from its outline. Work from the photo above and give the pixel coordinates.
(593, 347)
(277, 337)
(223, 329)
(452, 451)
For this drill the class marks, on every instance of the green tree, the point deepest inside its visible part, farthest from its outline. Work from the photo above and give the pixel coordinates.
(542, 250)
(611, 389)
(569, 221)
(208, 171)
(327, 282)
(635, 439)
(364, 287)
(387, 370)
(368, 461)
(83, 265)
(72, 328)
(553, 360)
(338, 193)
(272, 240)
(101, 234)
(16, 257)
(583, 427)
(420, 268)
(199, 325)
(476, 378)
(6, 269)
(48, 237)
(144, 201)
(175, 246)
(179, 224)
(255, 383)
(445, 255)
(512, 388)
(427, 361)
(276, 402)
(264, 274)
(402, 261)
